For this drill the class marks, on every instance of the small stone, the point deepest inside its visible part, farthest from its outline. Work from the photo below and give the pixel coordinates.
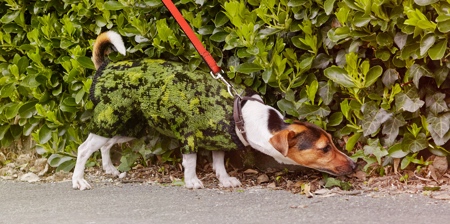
(251, 171)
(262, 179)
(23, 159)
(7, 172)
(2, 158)
(444, 196)
(29, 177)
(440, 164)
(299, 206)
(322, 191)
(122, 175)
(40, 166)
(272, 185)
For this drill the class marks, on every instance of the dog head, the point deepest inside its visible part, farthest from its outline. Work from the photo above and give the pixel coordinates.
(311, 146)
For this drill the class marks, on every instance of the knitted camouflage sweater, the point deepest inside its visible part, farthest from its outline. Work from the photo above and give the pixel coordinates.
(131, 96)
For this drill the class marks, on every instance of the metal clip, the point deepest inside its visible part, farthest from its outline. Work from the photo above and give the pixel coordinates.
(231, 90)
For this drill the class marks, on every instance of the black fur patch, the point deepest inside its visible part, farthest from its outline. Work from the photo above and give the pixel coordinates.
(274, 122)
(308, 138)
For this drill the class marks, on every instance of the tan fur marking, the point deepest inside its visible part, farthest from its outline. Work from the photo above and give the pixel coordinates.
(97, 56)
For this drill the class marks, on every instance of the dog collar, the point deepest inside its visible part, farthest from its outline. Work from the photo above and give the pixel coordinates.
(237, 114)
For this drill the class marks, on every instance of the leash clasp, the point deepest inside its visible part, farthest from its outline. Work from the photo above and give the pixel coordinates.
(230, 88)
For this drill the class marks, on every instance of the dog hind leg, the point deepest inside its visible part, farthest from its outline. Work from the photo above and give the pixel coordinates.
(221, 172)
(190, 176)
(85, 150)
(107, 164)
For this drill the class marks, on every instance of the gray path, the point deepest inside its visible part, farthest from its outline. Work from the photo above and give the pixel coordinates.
(141, 203)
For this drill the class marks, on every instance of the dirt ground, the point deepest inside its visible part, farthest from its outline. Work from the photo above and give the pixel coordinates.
(432, 181)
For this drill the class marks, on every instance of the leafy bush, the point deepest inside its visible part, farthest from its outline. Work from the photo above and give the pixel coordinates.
(373, 73)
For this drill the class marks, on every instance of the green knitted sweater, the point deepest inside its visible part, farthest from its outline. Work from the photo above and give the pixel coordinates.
(131, 96)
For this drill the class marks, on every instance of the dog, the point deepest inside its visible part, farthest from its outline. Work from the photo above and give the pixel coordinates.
(132, 96)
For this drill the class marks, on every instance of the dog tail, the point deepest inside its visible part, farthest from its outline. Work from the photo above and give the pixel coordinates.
(104, 44)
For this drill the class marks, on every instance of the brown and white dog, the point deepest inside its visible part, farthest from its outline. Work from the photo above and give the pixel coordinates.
(297, 143)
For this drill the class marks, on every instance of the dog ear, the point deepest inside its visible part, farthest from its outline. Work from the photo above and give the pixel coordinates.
(280, 141)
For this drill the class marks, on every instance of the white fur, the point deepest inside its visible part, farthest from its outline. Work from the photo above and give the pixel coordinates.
(85, 150)
(221, 173)
(190, 176)
(256, 117)
(117, 41)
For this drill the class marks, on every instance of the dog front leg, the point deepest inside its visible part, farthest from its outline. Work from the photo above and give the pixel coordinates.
(85, 150)
(221, 172)
(190, 176)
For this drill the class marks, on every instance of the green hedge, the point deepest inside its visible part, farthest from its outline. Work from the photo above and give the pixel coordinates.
(373, 73)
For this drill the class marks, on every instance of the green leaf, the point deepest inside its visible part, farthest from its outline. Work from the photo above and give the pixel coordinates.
(321, 61)
(426, 42)
(436, 103)
(391, 129)
(9, 17)
(220, 19)
(55, 160)
(372, 75)
(396, 151)
(403, 101)
(439, 124)
(3, 129)
(288, 107)
(373, 118)
(86, 62)
(339, 76)
(335, 119)
(438, 151)
(444, 26)
(438, 50)
(327, 91)
(416, 72)
(440, 75)
(45, 134)
(414, 144)
(113, 5)
(389, 77)
(384, 55)
(311, 90)
(7, 90)
(375, 149)
(425, 2)
(12, 110)
(400, 39)
(351, 142)
(307, 110)
(328, 6)
(248, 68)
(361, 20)
(219, 36)
(384, 39)
(66, 165)
(27, 110)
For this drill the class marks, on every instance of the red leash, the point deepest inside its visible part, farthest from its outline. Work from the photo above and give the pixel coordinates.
(216, 72)
(192, 37)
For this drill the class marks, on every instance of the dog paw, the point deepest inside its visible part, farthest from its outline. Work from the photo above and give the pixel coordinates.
(111, 170)
(80, 184)
(230, 182)
(193, 183)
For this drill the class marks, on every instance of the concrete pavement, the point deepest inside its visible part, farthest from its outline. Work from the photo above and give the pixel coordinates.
(143, 203)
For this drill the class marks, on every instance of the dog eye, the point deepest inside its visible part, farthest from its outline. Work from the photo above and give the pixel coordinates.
(326, 149)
